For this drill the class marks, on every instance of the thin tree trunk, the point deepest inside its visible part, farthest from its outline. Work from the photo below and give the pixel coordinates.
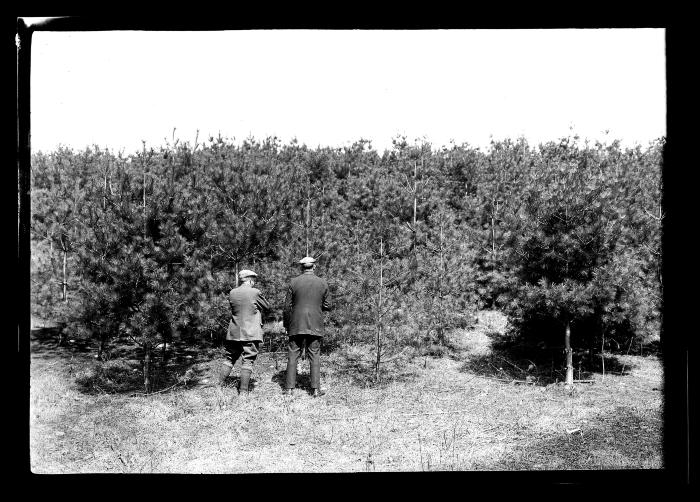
(602, 354)
(65, 281)
(53, 261)
(569, 358)
(308, 217)
(104, 193)
(323, 194)
(415, 192)
(493, 240)
(379, 308)
(147, 367)
(441, 333)
(101, 348)
(600, 330)
(415, 209)
(63, 336)
(143, 165)
(493, 233)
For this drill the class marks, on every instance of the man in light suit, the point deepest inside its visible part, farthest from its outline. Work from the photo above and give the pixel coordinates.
(307, 297)
(245, 328)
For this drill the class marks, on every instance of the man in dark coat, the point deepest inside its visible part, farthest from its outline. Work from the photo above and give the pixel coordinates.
(307, 297)
(245, 328)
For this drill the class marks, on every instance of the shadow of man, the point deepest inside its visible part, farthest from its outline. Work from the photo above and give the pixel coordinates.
(303, 380)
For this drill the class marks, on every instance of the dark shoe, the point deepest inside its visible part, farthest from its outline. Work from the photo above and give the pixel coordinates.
(318, 393)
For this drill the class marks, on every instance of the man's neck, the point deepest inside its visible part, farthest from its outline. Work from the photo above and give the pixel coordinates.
(310, 271)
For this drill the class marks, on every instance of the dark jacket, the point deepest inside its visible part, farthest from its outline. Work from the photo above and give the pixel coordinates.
(246, 303)
(307, 297)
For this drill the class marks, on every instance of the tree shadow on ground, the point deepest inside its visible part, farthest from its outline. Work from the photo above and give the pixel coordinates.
(46, 341)
(511, 360)
(303, 380)
(622, 439)
(362, 373)
(125, 376)
(121, 371)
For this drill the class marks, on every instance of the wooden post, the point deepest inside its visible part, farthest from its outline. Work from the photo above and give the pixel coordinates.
(569, 359)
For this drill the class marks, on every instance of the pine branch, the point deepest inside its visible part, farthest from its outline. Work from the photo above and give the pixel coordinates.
(156, 392)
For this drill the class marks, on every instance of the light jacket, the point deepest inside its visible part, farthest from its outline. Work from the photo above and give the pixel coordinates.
(247, 303)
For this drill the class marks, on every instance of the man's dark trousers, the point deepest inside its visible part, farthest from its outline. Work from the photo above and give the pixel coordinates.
(313, 349)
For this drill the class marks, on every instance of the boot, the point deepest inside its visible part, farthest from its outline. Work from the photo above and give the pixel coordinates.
(224, 372)
(318, 393)
(245, 379)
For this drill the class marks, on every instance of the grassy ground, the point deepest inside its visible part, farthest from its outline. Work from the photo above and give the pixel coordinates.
(428, 413)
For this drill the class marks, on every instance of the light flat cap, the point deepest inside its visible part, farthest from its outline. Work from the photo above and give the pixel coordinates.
(246, 273)
(306, 260)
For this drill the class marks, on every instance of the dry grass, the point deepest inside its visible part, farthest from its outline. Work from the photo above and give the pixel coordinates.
(427, 414)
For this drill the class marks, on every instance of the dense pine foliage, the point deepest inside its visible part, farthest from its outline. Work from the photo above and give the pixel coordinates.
(412, 241)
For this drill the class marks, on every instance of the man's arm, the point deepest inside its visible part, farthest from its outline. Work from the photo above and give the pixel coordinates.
(325, 303)
(262, 303)
(287, 308)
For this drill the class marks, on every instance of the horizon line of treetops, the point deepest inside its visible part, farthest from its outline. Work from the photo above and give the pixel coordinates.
(564, 237)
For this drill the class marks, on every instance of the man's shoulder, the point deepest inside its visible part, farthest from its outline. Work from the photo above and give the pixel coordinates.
(243, 291)
(314, 279)
(308, 278)
(254, 292)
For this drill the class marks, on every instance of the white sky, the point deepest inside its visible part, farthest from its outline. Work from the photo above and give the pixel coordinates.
(117, 88)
